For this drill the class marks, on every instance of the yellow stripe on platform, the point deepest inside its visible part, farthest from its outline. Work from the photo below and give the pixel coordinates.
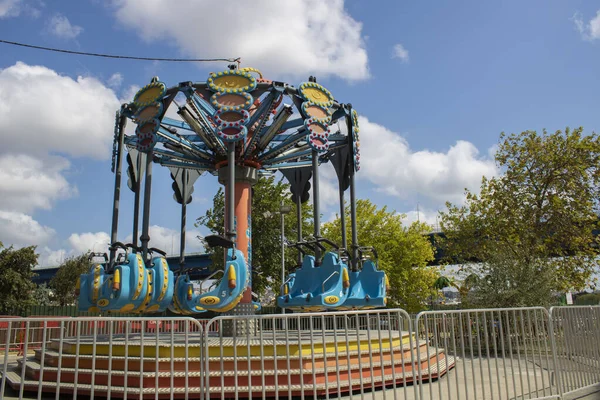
(227, 349)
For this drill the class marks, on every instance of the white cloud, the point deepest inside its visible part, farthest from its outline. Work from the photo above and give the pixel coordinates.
(84, 242)
(427, 216)
(389, 162)
(115, 80)
(400, 52)
(51, 258)
(42, 111)
(20, 230)
(292, 37)
(589, 31)
(167, 240)
(28, 183)
(10, 8)
(14, 8)
(61, 27)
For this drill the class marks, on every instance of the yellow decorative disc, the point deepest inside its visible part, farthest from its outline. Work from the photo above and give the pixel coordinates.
(331, 299)
(103, 302)
(232, 81)
(316, 93)
(149, 94)
(210, 300)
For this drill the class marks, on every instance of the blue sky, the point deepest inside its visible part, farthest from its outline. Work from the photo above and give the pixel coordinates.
(434, 82)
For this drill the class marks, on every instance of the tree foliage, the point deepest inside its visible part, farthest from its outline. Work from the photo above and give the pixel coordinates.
(16, 272)
(266, 231)
(531, 227)
(403, 252)
(64, 282)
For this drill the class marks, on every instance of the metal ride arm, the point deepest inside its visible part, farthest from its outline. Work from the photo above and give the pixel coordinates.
(209, 278)
(328, 278)
(364, 249)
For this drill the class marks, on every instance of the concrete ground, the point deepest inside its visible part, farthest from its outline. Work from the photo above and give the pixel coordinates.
(475, 379)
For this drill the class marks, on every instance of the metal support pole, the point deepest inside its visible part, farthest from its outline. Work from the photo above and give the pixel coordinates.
(317, 216)
(353, 222)
(299, 217)
(117, 192)
(145, 238)
(343, 217)
(136, 203)
(183, 219)
(231, 198)
(282, 247)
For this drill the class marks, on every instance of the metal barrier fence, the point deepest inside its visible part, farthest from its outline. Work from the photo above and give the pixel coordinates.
(501, 353)
(577, 337)
(101, 357)
(326, 354)
(522, 353)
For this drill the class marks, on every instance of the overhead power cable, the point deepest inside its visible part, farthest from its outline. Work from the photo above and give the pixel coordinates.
(83, 53)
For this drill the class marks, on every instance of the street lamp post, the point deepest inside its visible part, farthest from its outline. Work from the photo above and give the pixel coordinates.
(283, 209)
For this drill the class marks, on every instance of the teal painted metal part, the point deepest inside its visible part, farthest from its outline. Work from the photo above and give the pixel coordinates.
(317, 288)
(367, 288)
(221, 297)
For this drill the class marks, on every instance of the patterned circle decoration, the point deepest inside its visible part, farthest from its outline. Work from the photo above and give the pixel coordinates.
(250, 69)
(145, 133)
(232, 81)
(145, 141)
(316, 112)
(148, 127)
(149, 112)
(318, 143)
(223, 117)
(231, 101)
(232, 132)
(149, 94)
(317, 127)
(315, 93)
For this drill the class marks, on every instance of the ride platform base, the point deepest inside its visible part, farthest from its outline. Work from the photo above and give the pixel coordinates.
(280, 364)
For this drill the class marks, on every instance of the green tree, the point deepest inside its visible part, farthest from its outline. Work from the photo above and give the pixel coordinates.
(64, 282)
(403, 252)
(16, 287)
(266, 231)
(42, 295)
(530, 228)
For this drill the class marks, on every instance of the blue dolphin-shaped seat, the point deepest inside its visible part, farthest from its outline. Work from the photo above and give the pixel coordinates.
(368, 288)
(226, 295)
(317, 288)
(126, 289)
(162, 284)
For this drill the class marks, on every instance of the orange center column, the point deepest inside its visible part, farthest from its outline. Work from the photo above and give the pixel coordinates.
(245, 178)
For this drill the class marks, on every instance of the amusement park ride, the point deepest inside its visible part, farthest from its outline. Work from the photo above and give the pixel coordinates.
(236, 125)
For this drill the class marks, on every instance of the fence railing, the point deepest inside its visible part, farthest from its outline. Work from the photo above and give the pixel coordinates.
(511, 353)
(577, 337)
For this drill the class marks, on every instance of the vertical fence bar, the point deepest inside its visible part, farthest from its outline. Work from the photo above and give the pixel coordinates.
(42, 360)
(110, 351)
(24, 362)
(5, 362)
(126, 328)
(325, 364)
(262, 359)
(60, 354)
(186, 335)
(558, 375)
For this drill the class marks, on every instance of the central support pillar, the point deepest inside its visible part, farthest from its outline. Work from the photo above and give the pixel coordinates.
(245, 178)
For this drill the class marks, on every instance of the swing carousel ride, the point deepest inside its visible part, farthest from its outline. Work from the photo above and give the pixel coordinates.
(236, 125)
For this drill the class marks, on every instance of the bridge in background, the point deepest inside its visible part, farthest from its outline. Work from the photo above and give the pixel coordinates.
(197, 263)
